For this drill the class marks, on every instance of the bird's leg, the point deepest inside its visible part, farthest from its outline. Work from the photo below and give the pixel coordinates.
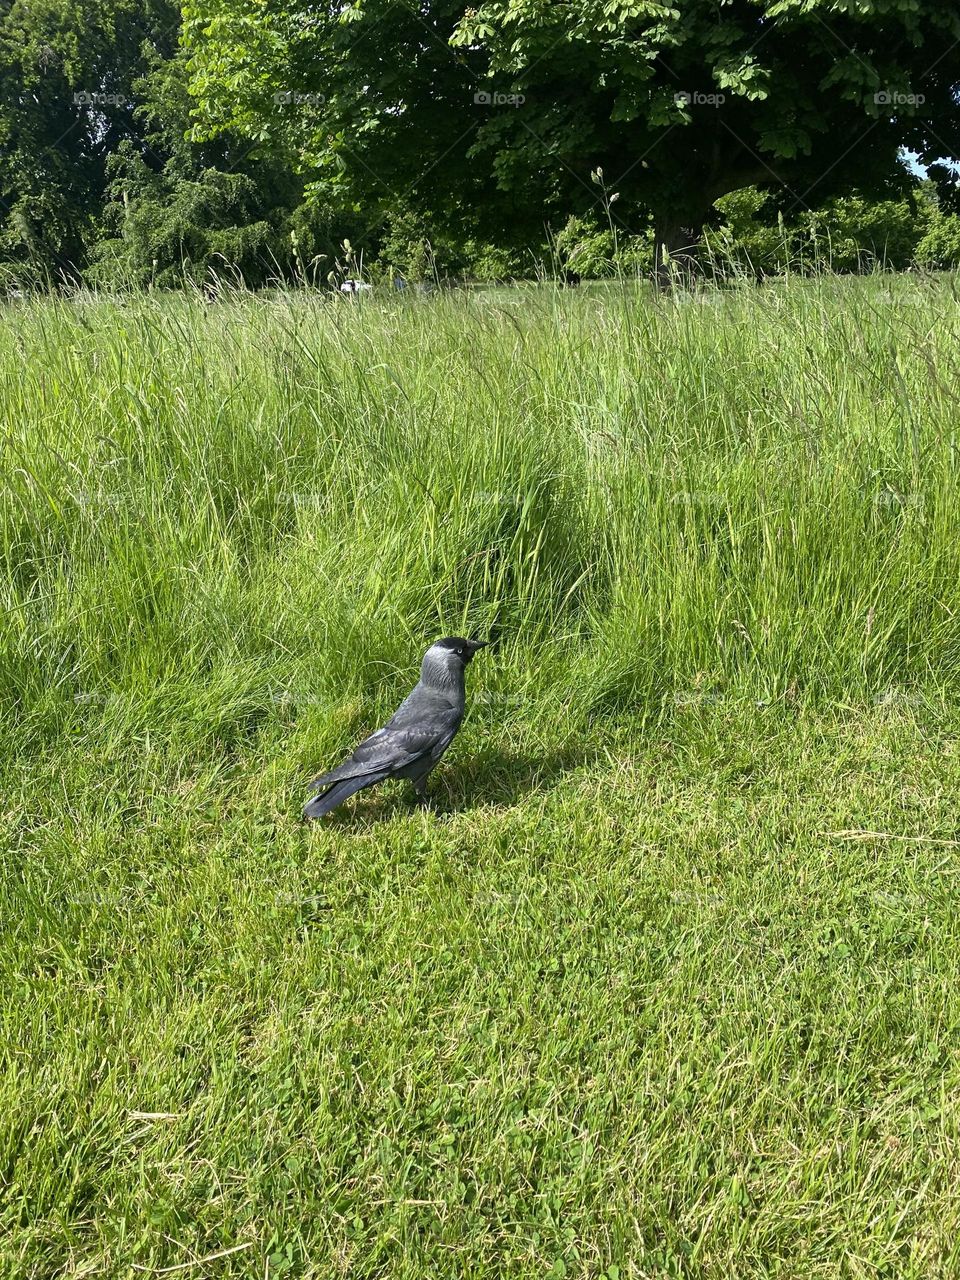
(420, 790)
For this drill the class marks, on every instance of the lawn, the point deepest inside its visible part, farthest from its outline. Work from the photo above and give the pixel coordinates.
(666, 983)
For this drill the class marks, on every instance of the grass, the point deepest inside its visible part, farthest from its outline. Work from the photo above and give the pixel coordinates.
(667, 984)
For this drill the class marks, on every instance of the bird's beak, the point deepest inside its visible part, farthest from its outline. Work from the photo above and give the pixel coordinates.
(477, 644)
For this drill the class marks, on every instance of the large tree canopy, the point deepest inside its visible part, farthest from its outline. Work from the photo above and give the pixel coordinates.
(506, 110)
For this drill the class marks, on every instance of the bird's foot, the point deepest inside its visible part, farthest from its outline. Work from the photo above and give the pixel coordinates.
(421, 799)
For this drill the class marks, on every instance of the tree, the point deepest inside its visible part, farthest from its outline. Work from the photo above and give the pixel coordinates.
(520, 101)
(67, 69)
(372, 103)
(179, 209)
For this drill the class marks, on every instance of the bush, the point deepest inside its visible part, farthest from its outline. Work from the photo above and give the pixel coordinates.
(940, 247)
(585, 247)
(747, 239)
(165, 227)
(854, 234)
(490, 263)
(593, 251)
(850, 233)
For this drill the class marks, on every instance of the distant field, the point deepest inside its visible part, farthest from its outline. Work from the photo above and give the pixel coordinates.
(667, 984)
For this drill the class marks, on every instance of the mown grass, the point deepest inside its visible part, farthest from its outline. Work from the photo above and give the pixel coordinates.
(666, 984)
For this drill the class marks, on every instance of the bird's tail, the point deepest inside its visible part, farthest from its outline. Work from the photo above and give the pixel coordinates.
(320, 804)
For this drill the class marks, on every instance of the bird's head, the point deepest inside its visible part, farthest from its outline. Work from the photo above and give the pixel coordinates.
(446, 659)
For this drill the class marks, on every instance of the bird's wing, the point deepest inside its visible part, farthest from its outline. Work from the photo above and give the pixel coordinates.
(392, 748)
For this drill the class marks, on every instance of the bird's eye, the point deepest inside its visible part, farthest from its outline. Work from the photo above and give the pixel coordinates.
(460, 651)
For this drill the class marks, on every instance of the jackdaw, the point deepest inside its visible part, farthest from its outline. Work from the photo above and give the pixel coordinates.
(411, 744)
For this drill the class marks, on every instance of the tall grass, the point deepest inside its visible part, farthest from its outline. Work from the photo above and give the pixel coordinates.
(751, 489)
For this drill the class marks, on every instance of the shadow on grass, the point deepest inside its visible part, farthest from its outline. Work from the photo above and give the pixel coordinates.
(490, 779)
(502, 778)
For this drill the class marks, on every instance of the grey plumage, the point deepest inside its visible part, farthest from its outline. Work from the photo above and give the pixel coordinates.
(410, 744)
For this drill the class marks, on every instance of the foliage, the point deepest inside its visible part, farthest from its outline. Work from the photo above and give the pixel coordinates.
(584, 246)
(857, 234)
(751, 235)
(446, 144)
(487, 262)
(940, 246)
(408, 249)
(68, 68)
(171, 228)
(678, 105)
(849, 233)
(594, 250)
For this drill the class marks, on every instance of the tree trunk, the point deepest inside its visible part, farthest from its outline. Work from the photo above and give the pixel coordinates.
(675, 245)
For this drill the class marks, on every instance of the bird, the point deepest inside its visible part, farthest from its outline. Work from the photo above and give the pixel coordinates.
(412, 742)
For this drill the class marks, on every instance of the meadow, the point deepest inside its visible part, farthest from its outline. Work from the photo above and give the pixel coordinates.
(666, 982)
